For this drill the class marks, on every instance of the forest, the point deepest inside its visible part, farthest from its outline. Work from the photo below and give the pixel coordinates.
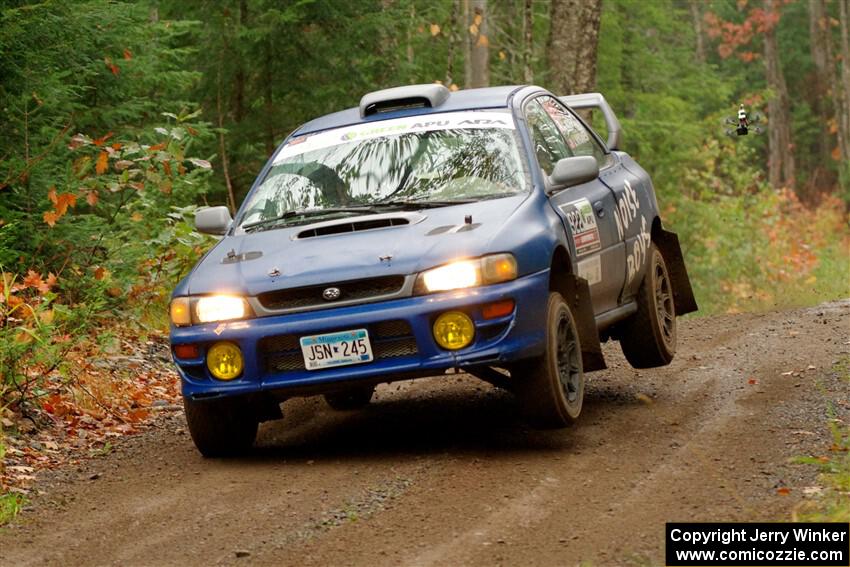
(121, 118)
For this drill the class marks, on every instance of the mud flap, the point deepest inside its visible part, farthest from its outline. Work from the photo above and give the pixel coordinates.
(578, 297)
(683, 294)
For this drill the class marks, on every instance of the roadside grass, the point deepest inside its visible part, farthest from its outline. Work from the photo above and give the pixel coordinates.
(833, 504)
(763, 250)
(10, 503)
(829, 281)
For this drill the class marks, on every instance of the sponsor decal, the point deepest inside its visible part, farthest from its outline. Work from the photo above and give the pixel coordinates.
(394, 127)
(591, 270)
(583, 227)
(625, 214)
(626, 210)
(638, 253)
(569, 126)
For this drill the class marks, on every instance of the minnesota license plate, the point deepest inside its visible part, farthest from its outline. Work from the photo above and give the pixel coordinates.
(336, 349)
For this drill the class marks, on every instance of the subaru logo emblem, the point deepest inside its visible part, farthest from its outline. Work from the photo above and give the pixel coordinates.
(331, 294)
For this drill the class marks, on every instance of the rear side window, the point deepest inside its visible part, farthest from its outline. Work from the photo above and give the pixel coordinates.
(579, 140)
(548, 142)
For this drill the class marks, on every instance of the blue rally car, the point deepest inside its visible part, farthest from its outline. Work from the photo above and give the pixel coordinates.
(489, 230)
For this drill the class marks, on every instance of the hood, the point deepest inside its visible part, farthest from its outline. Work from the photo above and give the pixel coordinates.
(306, 255)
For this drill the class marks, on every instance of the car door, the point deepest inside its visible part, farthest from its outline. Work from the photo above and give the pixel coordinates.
(632, 211)
(586, 209)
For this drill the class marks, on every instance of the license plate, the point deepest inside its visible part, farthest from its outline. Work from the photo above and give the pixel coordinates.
(336, 349)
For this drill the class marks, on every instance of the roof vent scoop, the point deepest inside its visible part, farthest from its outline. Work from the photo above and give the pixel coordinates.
(398, 98)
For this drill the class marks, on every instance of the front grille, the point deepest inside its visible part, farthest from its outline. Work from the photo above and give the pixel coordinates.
(389, 339)
(311, 296)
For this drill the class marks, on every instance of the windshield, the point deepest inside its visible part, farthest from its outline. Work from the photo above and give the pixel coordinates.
(431, 160)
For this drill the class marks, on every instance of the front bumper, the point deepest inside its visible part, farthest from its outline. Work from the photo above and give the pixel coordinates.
(271, 352)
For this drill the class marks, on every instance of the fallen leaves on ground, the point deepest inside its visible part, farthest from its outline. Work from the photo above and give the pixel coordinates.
(107, 396)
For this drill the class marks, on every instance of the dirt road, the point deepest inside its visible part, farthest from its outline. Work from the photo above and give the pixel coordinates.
(441, 472)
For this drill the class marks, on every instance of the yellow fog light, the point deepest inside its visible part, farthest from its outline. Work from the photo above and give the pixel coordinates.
(225, 361)
(454, 330)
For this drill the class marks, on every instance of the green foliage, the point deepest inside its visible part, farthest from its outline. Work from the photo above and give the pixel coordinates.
(99, 70)
(10, 505)
(92, 172)
(649, 74)
(746, 246)
(35, 334)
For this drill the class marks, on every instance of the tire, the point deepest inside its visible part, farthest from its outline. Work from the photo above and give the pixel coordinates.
(352, 399)
(649, 336)
(550, 388)
(221, 428)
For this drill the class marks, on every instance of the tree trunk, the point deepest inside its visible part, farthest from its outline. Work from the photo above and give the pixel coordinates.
(239, 80)
(571, 49)
(479, 45)
(528, 41)
(843, 100)
(467, 47)
(780, 148)
(696, 16)
(269, 98)
(819, 41)
(388, 45)
(225, 165)
(453, 39)
(409, 47)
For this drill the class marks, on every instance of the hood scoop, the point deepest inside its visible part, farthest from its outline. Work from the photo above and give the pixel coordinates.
(453, 229)
(373, 222)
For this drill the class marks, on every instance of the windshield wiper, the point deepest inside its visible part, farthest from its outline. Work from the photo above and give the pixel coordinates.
(416, 204)
(308, 213)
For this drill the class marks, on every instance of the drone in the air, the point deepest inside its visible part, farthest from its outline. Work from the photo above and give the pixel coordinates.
(744, 124)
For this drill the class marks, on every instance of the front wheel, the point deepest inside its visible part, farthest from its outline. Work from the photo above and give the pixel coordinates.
(649, 336)
(550, 388)
(221, 428)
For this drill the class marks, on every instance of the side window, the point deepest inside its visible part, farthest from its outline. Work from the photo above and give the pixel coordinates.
(580, 141)
(548, 143)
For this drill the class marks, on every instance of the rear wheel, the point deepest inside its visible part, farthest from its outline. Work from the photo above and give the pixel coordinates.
(221, 428)
(649, 336)
(550, 388)
(354, 398)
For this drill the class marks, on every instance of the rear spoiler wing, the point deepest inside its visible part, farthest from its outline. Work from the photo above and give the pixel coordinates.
(596, 100)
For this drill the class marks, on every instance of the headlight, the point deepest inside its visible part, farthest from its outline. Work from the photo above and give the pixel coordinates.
(453, 276)
(220, 308)
(188, 310)
(462, 274)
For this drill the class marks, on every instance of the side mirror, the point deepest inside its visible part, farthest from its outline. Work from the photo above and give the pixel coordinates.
(573, 171)
(213, 220)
